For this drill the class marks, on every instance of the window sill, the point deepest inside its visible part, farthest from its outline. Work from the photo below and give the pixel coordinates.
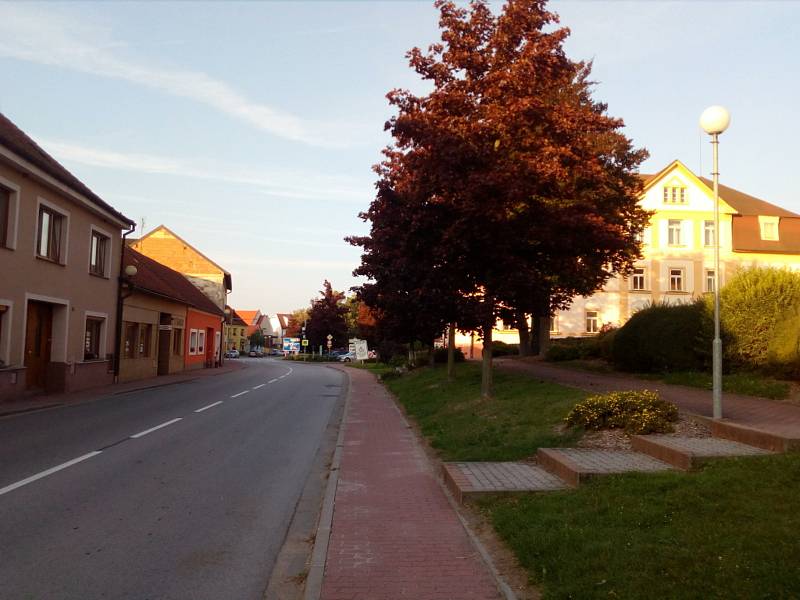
(99, 275)
(641, 291)
(677, 293)
(88, 361)
(51, 261)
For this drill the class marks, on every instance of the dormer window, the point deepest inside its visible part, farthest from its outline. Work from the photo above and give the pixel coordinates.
(769, 228)
(674, 194)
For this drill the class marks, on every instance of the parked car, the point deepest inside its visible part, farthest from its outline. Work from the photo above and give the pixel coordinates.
(232, 353)
(255, 353)
(347, 357)
(276, 352)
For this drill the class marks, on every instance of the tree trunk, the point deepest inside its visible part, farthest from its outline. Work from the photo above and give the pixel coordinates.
(451, 351)
(524, 334)
(544, 334)
(487, 389)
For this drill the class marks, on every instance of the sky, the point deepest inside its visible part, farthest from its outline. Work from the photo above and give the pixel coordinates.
(250, 129)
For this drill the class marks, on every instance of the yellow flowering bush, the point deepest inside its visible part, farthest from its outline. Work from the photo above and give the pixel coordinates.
(635, 411)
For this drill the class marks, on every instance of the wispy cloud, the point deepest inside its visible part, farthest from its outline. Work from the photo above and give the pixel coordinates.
(282, 184)
(38, 34)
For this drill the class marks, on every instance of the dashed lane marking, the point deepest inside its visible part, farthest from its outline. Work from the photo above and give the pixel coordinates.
(260, 385)
(152, 429)
(209, 406)
(240, 394)
(50, 471)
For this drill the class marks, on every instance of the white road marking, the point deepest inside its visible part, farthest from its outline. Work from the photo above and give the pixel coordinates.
(152, 429)
(33, 478)
(260, 385)
(209, 406)
(272, 381)
(240, 394)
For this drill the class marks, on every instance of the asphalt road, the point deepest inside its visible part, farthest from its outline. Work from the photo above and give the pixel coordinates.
(195, 509)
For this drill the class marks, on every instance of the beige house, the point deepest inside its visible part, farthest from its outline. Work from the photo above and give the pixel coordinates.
(678, 252)
(59, 259)
(168, 248)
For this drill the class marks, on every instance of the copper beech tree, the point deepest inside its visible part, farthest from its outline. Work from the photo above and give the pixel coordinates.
(508, 175)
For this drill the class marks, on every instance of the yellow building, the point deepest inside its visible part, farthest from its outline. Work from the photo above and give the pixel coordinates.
(235, 330)
(678, 248)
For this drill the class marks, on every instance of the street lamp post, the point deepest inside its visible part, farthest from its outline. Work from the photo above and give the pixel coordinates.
(715, 120)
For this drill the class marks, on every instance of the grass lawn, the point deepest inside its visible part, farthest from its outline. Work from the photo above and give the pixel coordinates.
(728, 531)
(751, 384)
(461, 426)
(377, 368)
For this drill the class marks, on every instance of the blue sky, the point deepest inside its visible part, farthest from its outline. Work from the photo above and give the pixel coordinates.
(250, 128)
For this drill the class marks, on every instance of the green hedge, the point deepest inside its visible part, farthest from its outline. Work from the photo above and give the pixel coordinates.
(663, 337)
(573, 348)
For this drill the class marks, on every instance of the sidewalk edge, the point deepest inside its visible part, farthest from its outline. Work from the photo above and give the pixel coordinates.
(319, 555)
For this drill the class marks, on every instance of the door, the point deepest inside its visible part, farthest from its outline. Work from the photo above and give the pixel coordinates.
(38, 340)
(209, 347)
(164, 342)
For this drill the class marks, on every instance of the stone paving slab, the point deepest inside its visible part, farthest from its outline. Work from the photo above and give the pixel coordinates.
(574, 465)
(687, 453)
(709, 447)
(473, 478)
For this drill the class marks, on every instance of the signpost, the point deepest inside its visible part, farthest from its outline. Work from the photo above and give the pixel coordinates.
(362, 351)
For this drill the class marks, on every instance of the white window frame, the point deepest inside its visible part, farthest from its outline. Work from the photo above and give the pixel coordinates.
(675, 194)
(201, 342)
(193, 347)
(709, 234)
(63, 254)
(709, 279)
(643, 276)
(681, 274)
(101, 344)
(673, 228)
(109, 252)
(5, 330)
(13, 212)
(773, 222)
(595, 320)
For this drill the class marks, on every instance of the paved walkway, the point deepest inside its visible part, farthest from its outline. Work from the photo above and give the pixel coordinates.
(780, 418)
(41, 401)
(394, 534)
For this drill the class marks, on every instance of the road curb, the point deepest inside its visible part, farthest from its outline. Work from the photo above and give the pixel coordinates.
(316, 570)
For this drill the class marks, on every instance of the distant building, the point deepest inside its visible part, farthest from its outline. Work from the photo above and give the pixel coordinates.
(166, 247)
(235, 330)
(678, 248)
(59, 263)
(168, 325)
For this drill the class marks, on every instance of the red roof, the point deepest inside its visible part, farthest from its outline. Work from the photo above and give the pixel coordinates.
(235, 318)
(249, 316)
(13, 138)
(283, 319)
(155, 278)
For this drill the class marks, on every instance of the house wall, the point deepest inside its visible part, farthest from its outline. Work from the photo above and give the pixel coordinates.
(200, 321)
(145, 310)
(72, 291)
(163, 247)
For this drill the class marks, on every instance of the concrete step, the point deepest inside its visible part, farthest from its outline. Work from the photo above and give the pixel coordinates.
(688, 453)
(469, 479)
(575, 465)
(753, 437)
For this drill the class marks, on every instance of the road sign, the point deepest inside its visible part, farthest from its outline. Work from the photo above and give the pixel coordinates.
(329, 337)
(362, 351)
(330, 343)
(305, 342)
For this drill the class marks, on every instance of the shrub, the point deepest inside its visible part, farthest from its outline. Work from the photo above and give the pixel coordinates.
(605, 342)
(663, 337)
(398, 360)
(783, 352)
(573, 349)
(440, 355)
(752, 305)
(503, 349)
(637, 412)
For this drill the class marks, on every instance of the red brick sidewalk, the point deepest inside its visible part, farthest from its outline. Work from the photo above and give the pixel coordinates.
(771, 416)
(394, 534)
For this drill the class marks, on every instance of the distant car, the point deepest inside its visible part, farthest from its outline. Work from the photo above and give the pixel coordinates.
(276, 352)
(255, 353)
(347, 357)
(232, 353)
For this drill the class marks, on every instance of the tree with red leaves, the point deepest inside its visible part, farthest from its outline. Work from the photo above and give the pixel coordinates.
(525, 185)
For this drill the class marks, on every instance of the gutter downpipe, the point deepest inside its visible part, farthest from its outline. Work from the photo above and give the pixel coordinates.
(120, 298)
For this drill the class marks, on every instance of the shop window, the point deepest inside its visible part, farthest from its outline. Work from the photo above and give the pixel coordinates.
(130, 340)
